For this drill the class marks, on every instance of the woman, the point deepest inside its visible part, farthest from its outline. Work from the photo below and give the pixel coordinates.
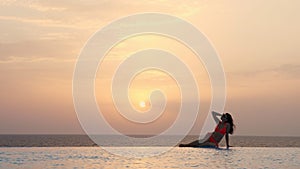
(225, 127)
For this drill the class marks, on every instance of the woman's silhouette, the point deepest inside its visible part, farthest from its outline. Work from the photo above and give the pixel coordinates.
(225, 127)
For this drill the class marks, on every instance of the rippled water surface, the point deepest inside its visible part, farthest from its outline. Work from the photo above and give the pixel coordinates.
(95, 157)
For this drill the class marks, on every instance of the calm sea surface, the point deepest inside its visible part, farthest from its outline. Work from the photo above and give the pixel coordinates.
(78, 151)
(95, 157)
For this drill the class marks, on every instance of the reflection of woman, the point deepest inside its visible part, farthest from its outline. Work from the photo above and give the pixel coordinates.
(225, 127)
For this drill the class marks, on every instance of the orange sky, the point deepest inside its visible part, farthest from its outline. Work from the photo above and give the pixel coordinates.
(256, 40)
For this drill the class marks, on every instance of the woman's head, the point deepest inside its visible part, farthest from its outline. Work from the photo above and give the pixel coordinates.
(228, 119)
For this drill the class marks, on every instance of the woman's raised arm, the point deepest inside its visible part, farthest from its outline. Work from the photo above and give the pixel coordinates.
(215, 114)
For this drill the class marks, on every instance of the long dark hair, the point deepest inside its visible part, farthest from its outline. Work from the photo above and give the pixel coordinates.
(230, 121)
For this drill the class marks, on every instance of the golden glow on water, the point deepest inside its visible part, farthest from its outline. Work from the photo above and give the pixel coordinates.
(96, 157)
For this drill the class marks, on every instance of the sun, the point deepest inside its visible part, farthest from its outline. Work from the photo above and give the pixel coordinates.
(142, 104)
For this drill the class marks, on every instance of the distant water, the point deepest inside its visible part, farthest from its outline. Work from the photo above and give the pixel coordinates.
(85, 141)
(95, 157)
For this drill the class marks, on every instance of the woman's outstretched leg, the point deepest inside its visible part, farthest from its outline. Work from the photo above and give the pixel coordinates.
(197, 143)
(192, 144)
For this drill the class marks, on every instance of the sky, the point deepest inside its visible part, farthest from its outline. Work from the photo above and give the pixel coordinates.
(257, 41)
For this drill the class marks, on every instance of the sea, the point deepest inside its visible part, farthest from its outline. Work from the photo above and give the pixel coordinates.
(79, 151)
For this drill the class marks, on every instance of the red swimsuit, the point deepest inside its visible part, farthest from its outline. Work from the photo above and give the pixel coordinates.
(218, 130)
